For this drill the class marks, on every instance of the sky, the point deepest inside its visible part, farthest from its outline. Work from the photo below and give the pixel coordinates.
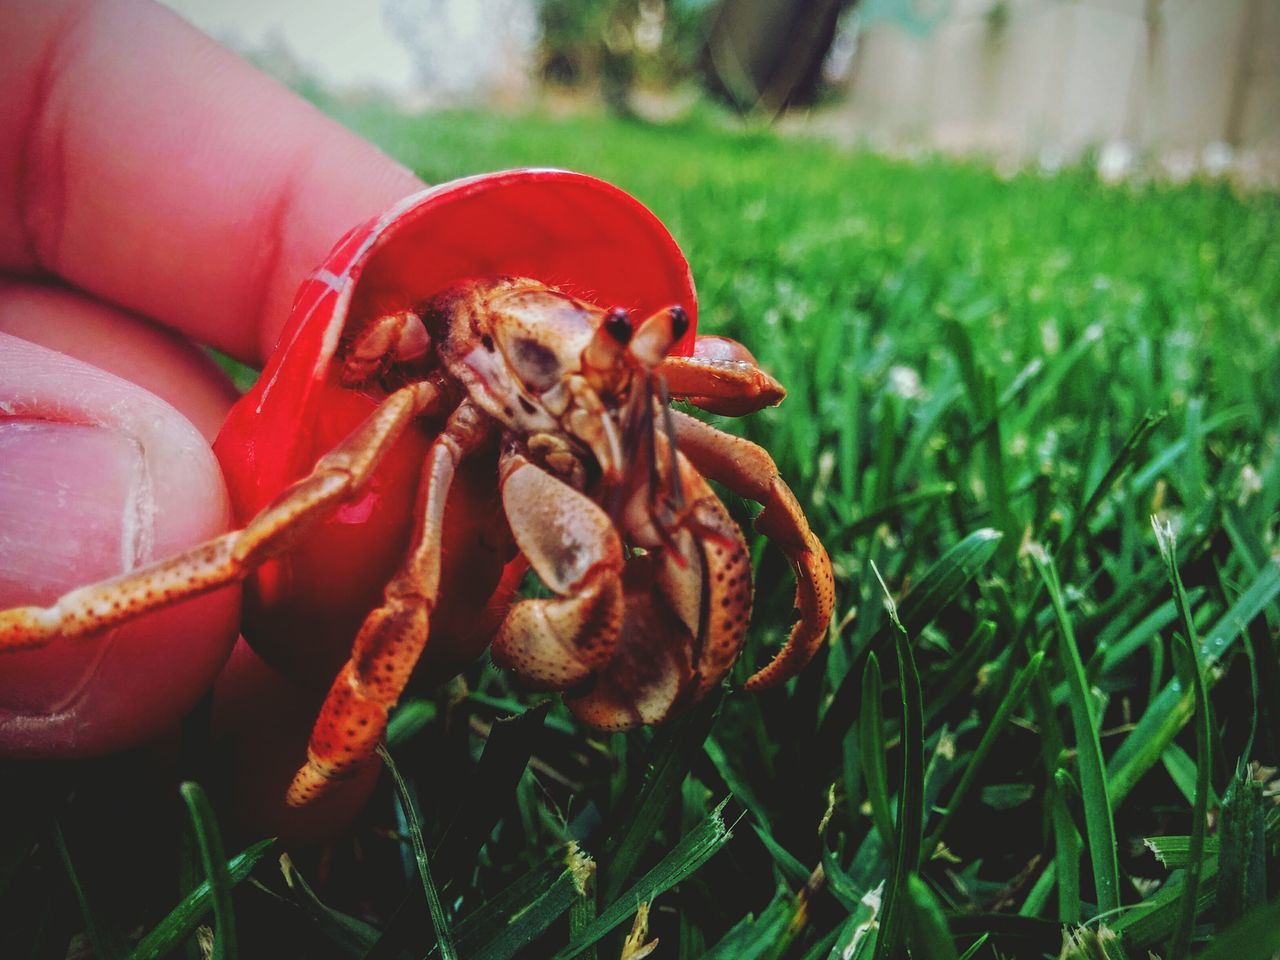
(400, 46)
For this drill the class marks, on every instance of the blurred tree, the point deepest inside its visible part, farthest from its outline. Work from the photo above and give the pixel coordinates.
(614, 45)
(767, 54)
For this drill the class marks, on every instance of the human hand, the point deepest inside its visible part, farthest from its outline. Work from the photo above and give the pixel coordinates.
(155, 190)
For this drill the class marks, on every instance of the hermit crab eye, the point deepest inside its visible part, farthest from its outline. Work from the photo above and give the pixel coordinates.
(679, 322)
(617, 323)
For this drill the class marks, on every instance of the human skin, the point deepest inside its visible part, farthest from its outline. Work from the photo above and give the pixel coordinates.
(155, 192)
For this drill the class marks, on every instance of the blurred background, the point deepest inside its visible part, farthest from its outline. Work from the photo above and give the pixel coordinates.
(1171, 88)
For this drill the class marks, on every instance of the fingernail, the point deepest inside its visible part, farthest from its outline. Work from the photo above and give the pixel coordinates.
(73, 507)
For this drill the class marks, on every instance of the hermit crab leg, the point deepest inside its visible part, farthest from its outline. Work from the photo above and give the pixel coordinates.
(338, 477)
(393, 636)
(749, 471)
(723, 377)
(574, 548)
(688, 605)
(713, 551)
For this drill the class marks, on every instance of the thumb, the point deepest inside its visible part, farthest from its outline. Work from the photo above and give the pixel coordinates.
(98, 476)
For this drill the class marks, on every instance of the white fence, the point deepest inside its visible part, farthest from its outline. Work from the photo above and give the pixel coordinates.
(1187, 82)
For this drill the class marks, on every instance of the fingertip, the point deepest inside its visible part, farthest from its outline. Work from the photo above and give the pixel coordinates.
(98, 476)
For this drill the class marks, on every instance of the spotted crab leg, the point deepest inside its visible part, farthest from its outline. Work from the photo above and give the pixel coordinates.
(749, 471)
(688, 604)
(393, 636)
(723, 377)
(337, 478)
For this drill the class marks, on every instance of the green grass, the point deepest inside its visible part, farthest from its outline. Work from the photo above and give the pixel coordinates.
(994, 385)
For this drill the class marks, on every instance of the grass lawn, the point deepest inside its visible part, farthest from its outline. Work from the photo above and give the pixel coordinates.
(1043, 414)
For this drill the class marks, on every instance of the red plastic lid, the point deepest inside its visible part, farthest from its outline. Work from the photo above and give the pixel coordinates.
(567, 229)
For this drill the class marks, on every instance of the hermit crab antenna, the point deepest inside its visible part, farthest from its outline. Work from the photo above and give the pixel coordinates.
(669, 426)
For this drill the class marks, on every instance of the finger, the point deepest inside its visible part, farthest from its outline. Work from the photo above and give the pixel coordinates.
(98, 476)
(143, 163)
(131, 348)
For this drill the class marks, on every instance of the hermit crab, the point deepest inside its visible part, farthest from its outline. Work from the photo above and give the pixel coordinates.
(476, 384)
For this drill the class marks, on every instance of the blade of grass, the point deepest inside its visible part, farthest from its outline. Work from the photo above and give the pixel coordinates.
(582, 912)
(346, 936)
(513, 938)
(1149, 579)
(1038, 896)
(1124, 458)
(868, 522)
(872, 746)
(185, 917)
(910, 791)
(693, 850)
(927, 931)
(214, 861)
(1172, 709)
(1067, 848)
(884, 452)
(751, 937)
(1192, 678)
(1255, 937)
(1115, 652)
(961, 671)
(1099, 825)
(822, 948)
(410, 718)
(1243, 883)
(409, 812)
(511, 919)
(190, 875)
(106, 943)
(840, 885)
(793, 871)
(740, 789)
(676, 748)
(1174, 852)
(1161, 462)
(505, 758)
(1183, 772)
(939, 586)
(973, 766)
(1155, 919)
(801, 915)
(862, 931)
(354, 937)
(945, 580)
